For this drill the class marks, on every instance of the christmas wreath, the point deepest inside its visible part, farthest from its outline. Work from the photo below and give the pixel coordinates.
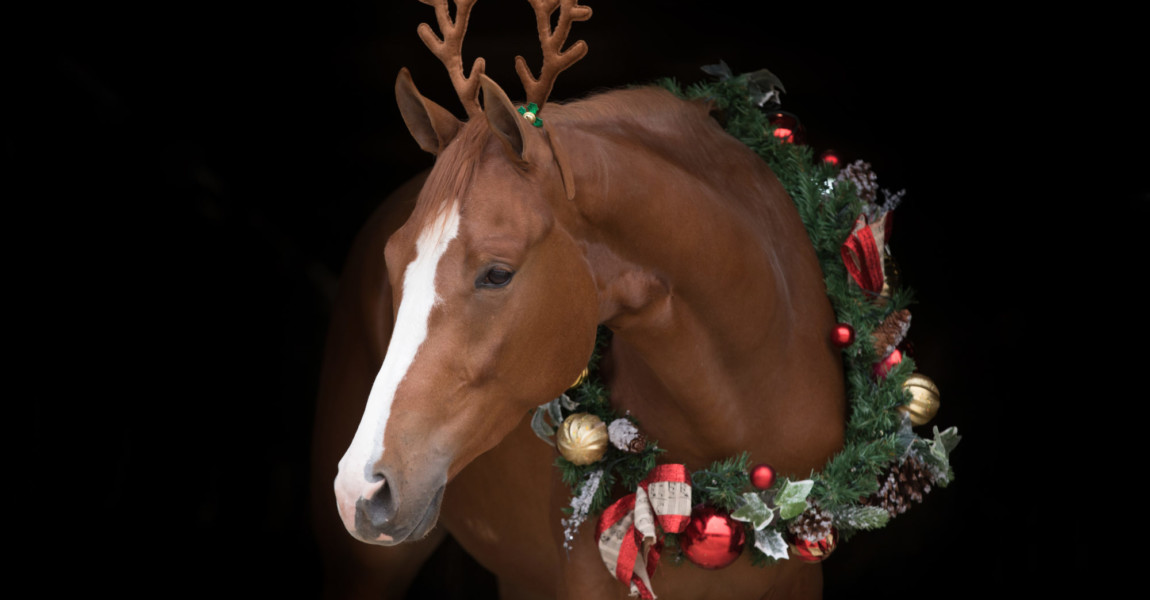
(883, 466)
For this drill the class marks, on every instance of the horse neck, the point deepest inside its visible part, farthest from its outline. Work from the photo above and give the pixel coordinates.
(711, 286)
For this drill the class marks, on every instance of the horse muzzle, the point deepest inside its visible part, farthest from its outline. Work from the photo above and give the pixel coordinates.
(379, 512)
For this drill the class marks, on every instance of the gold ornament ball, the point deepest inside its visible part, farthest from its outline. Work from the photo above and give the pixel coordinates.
(582, 438)
(924, 400)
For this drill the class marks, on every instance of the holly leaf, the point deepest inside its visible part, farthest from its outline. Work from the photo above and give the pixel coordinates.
(792, 499)
(771, 543)
(754, 511)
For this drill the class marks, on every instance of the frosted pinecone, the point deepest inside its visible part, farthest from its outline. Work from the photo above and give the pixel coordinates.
(859, 173)
(813, 525)
(891, 332)
(903, 483)
(625, 436)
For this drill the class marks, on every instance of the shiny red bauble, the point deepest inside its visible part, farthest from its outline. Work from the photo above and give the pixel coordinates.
(787, 126)
(762, 476)
(843, 335)
(712, 539)
(884, 366)
(830, 157)
(813, 552)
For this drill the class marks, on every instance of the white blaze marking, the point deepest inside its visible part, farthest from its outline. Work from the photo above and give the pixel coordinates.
(355, 468)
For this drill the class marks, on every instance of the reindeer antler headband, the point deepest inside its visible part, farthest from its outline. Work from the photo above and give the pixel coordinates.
(555, 59)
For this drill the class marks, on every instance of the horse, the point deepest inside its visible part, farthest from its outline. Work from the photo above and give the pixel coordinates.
(474, 293)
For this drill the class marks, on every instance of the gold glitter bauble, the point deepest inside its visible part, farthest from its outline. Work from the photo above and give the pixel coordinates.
(582, 438)
(924, 400)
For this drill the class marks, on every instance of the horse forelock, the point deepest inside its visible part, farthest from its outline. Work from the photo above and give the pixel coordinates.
(453, 172)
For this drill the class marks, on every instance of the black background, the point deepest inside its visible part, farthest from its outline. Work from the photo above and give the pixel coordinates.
(194, 174)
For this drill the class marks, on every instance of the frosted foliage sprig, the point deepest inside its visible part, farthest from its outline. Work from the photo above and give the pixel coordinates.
(580, 507)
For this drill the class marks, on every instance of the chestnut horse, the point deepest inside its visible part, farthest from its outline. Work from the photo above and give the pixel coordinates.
(488, 289)
(473, 295)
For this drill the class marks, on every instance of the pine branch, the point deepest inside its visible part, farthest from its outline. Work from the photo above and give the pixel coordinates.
(722, 484)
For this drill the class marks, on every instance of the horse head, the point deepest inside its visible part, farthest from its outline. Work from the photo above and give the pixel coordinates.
(496, 306)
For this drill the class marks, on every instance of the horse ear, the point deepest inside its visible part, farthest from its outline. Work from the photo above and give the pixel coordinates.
(505, 121)
(430, 124)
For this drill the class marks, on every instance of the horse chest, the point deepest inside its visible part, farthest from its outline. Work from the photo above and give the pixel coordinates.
(499, 509)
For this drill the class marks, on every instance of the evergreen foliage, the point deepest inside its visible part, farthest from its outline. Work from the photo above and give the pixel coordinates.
(876, 434)
(722, 484)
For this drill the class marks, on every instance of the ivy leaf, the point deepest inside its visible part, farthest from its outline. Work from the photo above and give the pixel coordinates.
(792, 499)
(540, 426)
(721, 70)
(946, 439)
(554, 411)
(771, 543)
(937, 454)
(754, 511)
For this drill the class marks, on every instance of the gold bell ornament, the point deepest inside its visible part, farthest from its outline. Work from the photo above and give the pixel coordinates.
(924, 402)
(582, 438)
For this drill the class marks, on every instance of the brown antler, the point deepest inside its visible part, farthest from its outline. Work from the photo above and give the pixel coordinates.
(555, 59)
(449, 50)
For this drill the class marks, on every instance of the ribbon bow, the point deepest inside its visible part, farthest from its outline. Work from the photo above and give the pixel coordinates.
(531, 112)
(862, 253)
(626, 530)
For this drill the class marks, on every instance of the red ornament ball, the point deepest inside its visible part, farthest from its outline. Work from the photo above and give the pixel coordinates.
(884, 366)
(787, 127)
(830, 157)
(843, 335)
(813, 552)
(712, 539)
(762, 476)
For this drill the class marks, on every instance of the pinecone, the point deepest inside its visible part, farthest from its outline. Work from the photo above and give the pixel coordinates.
(866, 182)
(902, 483)
(625, 436)
(813, 525)
(891, 332)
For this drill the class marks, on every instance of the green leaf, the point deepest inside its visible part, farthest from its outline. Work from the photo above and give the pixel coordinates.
(754, 511)
(792, 499)
(771, 543)
(936, 454)
(947, 439)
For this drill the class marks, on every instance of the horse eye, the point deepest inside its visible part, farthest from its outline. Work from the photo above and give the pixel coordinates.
(495, 277)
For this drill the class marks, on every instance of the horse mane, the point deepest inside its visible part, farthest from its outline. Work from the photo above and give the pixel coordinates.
(679, 130)
(682, 133)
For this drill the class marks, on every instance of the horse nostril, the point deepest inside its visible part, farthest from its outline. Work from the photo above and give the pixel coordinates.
(379, 504)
